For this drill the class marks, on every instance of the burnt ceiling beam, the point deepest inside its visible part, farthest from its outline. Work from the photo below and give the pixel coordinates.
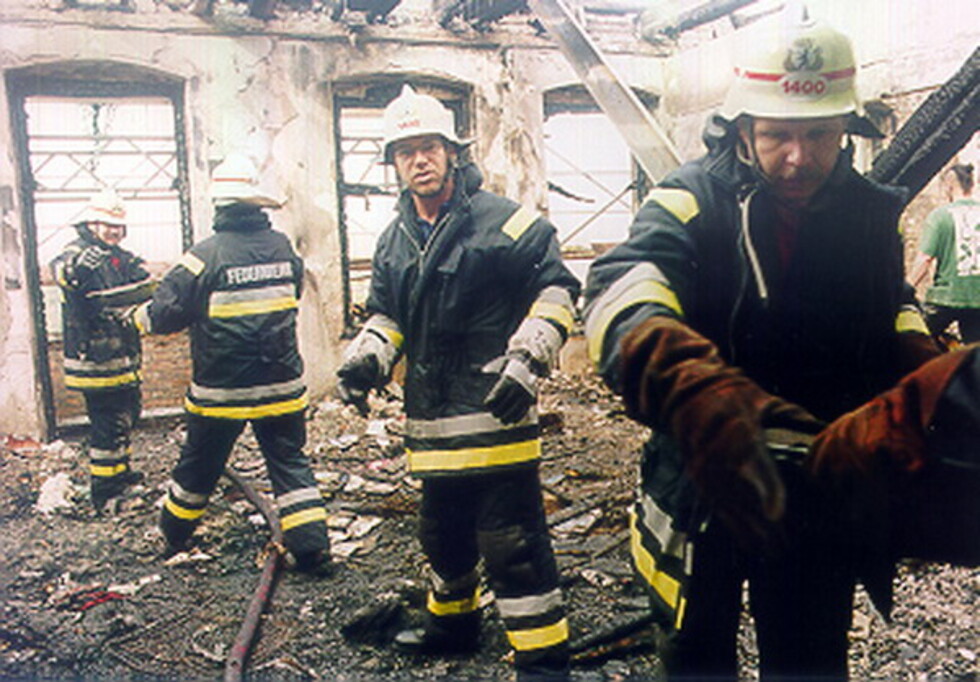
(656, 27)
(262, 9)
(934, 133)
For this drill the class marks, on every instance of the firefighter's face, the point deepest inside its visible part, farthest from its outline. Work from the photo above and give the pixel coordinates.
(423, 164)
(110, 234)
(796, 155)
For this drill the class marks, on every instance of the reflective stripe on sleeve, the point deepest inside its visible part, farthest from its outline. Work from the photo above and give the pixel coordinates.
(387, 328)
(519, 222)
(643, 283)
(678, 202)
(192, 263)
(909, 319)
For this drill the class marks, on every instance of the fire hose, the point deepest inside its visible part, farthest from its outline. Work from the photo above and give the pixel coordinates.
(240, 648)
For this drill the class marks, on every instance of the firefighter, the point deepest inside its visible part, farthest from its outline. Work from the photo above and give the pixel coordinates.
(100, 282)
(761, 288)
(238, 292)
(470, 288)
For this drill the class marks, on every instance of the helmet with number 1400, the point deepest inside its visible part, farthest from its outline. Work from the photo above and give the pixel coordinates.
(411, 114)
(799, 68)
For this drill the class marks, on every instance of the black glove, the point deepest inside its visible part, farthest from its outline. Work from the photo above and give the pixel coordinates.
(358, 376)
(515, 391)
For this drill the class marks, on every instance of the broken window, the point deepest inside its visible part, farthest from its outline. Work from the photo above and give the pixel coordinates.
(367, 187)
(77, 136)
(591, 177)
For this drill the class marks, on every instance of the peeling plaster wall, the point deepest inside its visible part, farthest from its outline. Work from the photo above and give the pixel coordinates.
(266, 88)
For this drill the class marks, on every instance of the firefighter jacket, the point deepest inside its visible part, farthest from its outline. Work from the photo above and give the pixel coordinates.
(101, 343)
(818, 326)
(238, 292)
(451, 305)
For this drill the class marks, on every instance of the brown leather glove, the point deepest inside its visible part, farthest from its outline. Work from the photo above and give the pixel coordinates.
(890, 430)
(674, 379)
(915, 349)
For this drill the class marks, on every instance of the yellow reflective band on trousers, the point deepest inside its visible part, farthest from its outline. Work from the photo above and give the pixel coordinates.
(107, 471)
(253, 412)
(260, 307)
(667, 587)
(182, 512)
(474, 458)
(75, 381)
(539, 638)
(290, 521)
(453, 608)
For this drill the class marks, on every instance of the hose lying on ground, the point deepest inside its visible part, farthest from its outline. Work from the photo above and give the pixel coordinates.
(240, 648)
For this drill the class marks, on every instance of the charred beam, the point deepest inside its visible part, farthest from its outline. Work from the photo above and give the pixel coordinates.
(934, 133)
(262, 9)
(655, 25)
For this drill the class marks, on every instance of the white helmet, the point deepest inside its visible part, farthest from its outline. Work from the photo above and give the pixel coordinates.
(105, 207)
(236, 180)
(411, 114)
(799, 69)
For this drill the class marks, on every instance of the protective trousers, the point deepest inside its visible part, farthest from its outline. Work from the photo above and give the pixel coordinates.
(499, 516)
(202, 460)
(800, 595)
(112, 414)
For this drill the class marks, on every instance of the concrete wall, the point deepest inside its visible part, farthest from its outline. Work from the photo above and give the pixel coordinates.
(266, 86)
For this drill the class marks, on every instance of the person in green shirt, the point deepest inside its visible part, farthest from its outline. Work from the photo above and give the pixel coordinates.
(950, 247)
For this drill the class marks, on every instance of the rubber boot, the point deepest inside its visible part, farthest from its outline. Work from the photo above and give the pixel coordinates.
(105, 488)
(441, 635)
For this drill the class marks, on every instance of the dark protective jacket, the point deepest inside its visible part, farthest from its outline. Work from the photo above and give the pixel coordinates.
(456, 300)
(821, 329)
(101, 343)
(238, 292)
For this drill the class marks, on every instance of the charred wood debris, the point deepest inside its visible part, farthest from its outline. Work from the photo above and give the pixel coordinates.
(91, 595)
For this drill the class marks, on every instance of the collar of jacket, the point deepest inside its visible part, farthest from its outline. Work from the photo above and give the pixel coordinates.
(724, 164)
(467, 179)
(240, 218)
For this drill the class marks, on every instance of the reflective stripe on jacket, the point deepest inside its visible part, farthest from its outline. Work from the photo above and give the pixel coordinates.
(820, 329)
(101, 344)
(457, 300)
(238, 292)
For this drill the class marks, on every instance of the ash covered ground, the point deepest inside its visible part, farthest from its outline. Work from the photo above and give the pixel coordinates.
(89, 596)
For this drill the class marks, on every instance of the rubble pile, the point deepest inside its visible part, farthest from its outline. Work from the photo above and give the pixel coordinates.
(87, 595)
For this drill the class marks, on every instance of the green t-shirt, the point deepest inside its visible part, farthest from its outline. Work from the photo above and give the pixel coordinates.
(951, 235)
